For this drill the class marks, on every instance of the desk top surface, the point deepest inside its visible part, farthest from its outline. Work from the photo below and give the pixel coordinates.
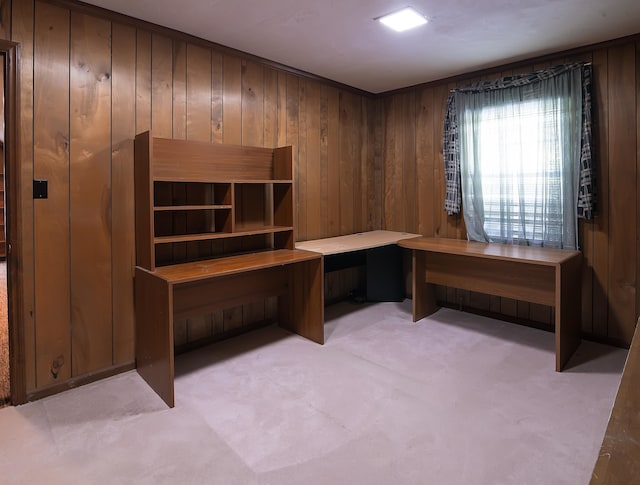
(242, 263)
(507, 252)
(354, 242)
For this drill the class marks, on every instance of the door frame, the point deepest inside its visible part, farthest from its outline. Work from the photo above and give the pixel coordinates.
(13, 223)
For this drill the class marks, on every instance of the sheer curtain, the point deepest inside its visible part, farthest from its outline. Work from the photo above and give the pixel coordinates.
(520, 151)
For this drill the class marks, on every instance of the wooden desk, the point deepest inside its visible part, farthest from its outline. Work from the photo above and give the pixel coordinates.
(537, 275)
(195, 288)
(354, 242)
(377, 250)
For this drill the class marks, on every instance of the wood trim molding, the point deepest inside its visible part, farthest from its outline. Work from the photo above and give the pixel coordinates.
(80, 381)
(11, 53)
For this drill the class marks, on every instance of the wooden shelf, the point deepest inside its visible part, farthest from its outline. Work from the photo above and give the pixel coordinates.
(169, 208)
(197, 270)
(219, 235)
(189, 194)
(196, 192)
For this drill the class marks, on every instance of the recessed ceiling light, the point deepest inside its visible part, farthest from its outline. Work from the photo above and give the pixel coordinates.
(404, 19)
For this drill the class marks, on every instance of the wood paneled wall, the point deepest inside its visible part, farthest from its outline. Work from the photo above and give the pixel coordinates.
(89, 83)
(414, 189)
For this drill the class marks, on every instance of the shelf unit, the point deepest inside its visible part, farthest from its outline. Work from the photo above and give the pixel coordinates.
(210, 200)
(214, 230)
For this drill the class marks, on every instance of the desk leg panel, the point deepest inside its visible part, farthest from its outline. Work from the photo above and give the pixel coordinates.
(301, 310)
(424, 294)
(568, 310)
(154, 333)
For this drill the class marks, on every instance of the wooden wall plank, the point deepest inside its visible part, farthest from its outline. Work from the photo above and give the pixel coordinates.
(409, 189)
(359, 185)
(389, 164)
(346, 164)
(301, 166)
(424, 162)
(623, 174)
(161, 86)
(292, 134)
(600, 288)
(270, 109)
(122, 201)
(217, 122)
(51, 215)
(313, 193)
(179, 90)
(333, 162)
(5, 19)
(90, 194)
(375, 156)
(232, 96)
(23, 33)
(143, 81)
(324, 159)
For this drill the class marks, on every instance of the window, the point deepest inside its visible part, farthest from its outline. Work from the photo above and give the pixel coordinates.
(519, 165)
(517, 152)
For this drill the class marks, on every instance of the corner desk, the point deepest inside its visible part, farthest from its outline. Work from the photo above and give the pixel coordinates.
(536, 275)
(376, 250)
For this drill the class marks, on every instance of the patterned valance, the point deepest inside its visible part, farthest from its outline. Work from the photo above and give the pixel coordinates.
(586, 195)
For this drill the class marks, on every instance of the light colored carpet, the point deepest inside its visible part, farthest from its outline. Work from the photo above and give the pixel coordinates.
(5, 390)
(454, 399)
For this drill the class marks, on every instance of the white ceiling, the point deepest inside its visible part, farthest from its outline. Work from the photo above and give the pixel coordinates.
(339, 40)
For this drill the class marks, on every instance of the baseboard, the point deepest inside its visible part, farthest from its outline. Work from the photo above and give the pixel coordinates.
(79, 381)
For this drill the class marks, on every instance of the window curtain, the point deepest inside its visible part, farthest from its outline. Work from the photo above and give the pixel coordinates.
(558, 102)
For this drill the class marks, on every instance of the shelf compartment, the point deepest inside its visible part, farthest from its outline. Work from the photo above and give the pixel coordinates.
(173, 194)
(193, 221)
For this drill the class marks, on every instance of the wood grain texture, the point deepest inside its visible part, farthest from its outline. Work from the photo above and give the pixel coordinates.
(333, 164)
(600, 288)
(622, 172)
(618, 460)
(609, 295)
(23, 33)
(161, 86)
(346, 192)
(122, 206)
(5, 19)
(154, 333)
(179, 89)
(538, 275)
(51, 216)
(90, 199)
(313, 193)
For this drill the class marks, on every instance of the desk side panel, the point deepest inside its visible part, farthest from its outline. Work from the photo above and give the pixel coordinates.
(301, 310)
(568, 310)
(424, 294)
(154, 333)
